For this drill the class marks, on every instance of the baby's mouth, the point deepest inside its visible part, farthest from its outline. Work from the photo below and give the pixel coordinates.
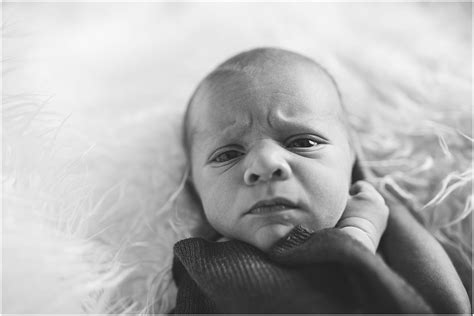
(271, 206)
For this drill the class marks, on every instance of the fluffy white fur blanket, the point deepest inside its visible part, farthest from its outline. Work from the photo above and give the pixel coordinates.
(93, 96)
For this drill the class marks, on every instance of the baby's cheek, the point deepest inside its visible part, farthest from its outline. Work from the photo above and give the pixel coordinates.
(339, 198)
(329, 196)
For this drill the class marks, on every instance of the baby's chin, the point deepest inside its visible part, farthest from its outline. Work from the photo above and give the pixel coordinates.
(267, 236)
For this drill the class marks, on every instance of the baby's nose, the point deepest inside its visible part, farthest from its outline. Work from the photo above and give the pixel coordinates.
(266, 163)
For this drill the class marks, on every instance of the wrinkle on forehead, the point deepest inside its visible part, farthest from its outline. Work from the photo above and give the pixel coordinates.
(291, 82)
(288, 116)
(276, 82)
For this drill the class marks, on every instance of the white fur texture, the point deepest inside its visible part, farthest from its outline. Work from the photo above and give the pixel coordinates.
(92, 106)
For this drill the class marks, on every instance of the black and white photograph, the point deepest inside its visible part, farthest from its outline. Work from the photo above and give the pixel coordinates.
(224, 157)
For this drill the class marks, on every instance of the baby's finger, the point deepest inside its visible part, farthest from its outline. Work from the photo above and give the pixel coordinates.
(363, 188)
(357, 187)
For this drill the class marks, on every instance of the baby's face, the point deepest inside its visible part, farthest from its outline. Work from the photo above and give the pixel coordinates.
(270, 152)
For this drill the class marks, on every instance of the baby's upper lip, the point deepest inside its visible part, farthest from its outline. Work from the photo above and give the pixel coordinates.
(272, 202)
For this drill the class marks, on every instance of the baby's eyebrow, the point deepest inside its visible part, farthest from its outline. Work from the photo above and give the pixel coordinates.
(300, 122)
(293, 123)
(233, 134)
(229, 134)
(213, 138)
(281, 125)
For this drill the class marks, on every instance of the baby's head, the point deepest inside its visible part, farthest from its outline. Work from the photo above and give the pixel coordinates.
(268, 146)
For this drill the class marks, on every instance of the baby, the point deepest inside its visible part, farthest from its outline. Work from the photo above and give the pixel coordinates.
(274, 164)
(270, 149)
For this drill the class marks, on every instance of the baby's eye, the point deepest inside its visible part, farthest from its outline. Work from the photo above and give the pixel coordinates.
(226, 156)
(302, 143)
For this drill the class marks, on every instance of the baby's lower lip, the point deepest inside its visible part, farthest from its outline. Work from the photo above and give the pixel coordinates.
(262, 210)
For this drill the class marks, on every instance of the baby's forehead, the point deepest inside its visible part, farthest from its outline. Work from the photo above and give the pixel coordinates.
(294, 88)
(243, 85)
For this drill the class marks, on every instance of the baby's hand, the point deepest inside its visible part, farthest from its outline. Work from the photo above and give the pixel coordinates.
(366, 214)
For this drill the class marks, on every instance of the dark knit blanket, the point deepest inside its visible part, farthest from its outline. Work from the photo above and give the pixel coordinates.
(322, 272)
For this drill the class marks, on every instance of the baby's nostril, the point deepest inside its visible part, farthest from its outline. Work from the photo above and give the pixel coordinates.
(277, 173)
(253, 178)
